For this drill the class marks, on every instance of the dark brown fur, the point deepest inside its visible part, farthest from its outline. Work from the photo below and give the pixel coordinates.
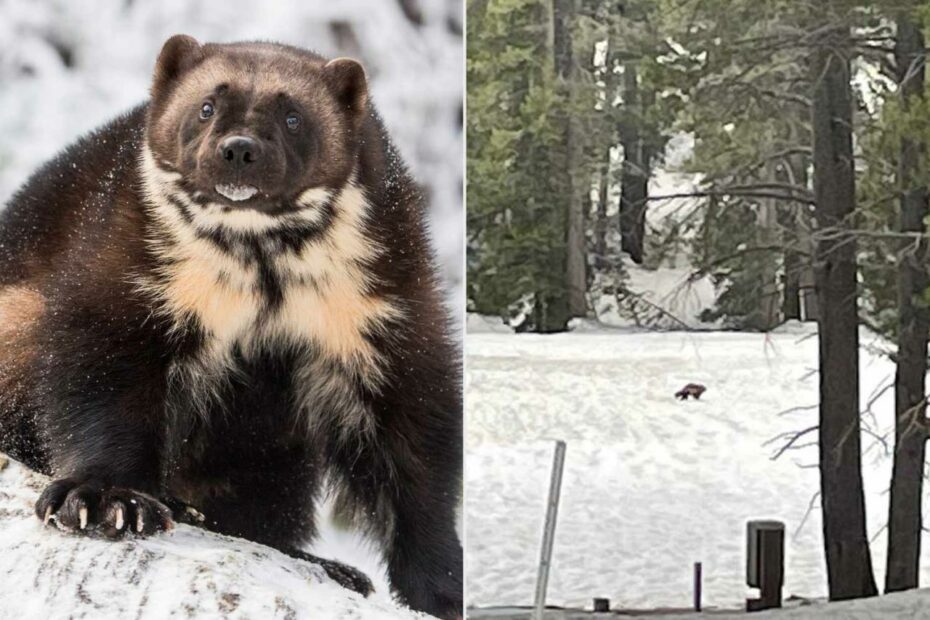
(89, 385)
(691, 390)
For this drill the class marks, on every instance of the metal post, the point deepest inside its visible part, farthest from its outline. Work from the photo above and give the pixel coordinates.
(552, 512)
(698, 585)
(765, 563)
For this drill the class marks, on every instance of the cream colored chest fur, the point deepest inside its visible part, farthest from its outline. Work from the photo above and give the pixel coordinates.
(327, 304)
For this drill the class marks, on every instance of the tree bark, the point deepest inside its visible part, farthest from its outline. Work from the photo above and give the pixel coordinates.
(810, 310)
(553, 308)
(576, 256)
(791, 296)
(634, 174)
(600, 222)
(904, 517)
(849, 564)
(795, 173)
(767, 236)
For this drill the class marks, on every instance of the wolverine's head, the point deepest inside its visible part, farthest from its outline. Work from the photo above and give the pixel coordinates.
(258, 127)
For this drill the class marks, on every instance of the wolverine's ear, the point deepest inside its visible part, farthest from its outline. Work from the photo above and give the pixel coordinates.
(178, 55)
(346, 78)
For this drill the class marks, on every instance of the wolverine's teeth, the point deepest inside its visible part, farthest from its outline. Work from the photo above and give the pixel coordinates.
(119, 518)
(236, 192)
(139, 523)
(83, 514)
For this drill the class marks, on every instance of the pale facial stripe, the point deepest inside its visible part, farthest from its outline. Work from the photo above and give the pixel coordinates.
(162, 186)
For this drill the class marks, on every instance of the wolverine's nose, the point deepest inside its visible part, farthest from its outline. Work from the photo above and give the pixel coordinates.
(240, 151)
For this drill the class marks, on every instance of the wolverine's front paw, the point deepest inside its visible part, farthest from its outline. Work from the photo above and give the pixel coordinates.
(83, 505)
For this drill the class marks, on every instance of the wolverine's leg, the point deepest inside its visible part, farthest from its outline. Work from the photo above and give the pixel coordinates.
(266, 495)
(21, 308)
(101, 388)
(406, 478)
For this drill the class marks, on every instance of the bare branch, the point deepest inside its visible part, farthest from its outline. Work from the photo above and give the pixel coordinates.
(793, 437)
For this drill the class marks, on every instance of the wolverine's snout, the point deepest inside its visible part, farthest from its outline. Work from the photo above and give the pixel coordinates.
(239, 151)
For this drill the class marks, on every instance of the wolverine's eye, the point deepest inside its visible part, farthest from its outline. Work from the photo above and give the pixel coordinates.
(206, 110)
(293, 121)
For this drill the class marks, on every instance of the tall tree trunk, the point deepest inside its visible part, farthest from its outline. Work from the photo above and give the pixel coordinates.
(552, 310)
(794, 171)
(849, 564)
(603, 224)
(563, 19)
(600, 222)
(791, 295)
(904, 517)
(634, 176)
(767, 236)
(810, 310)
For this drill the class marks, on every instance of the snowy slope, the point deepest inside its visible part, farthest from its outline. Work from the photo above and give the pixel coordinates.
(651, 484)
(187, 572)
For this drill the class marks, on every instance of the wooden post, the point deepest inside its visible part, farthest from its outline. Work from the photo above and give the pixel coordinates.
(765, 566)
(602, 604)
(698, 570)
(552, 513)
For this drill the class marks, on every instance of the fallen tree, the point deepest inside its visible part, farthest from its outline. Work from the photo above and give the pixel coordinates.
(188, 572)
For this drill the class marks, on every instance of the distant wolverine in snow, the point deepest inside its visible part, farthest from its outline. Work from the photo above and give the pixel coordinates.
(217, 298)
(692, 389)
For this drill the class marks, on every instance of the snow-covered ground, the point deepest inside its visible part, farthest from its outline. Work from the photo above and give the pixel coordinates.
(184, 573)
(651, 484)
(910, 605)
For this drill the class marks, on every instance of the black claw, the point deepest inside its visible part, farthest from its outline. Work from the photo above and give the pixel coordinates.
(52, 498)
(113, 511)
(80, 510)
(116, 520)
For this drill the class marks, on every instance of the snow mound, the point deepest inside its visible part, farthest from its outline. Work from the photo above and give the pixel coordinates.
(481, 324)
(188, 572)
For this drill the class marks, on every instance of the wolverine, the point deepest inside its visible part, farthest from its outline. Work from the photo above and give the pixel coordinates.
(223, 305)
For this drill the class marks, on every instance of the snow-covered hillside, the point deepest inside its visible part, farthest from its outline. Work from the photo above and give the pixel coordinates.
(185, 573)
(651, 484)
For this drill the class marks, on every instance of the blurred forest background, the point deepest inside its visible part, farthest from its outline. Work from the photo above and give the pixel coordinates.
(67, 67)
(801, 130)
(578, 108)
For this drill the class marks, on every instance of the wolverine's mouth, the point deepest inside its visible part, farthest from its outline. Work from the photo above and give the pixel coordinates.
(236, 193)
